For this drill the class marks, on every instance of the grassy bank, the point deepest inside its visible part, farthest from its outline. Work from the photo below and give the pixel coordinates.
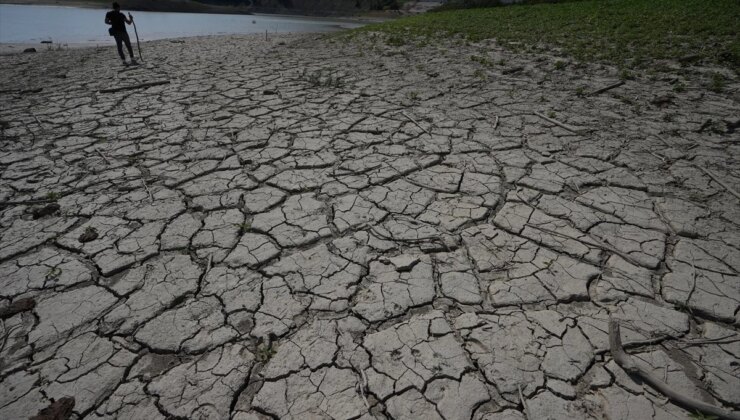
(629, 33)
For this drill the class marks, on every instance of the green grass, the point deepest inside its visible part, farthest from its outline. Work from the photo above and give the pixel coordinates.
(628, 33)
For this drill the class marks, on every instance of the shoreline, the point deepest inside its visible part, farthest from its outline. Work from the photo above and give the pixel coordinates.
(15, 42)
(17, 48)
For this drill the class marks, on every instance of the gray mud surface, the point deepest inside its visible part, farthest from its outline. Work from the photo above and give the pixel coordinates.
(309, 228)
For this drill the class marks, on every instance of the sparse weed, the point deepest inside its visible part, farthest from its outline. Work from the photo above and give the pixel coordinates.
(395, 41)
(481, 60)
(54, 273)
(679, 87)
(629, 33)
(701, 416)
(265, 353)
(480, 74)
(318, 79)
(625, 74)
(717, 83)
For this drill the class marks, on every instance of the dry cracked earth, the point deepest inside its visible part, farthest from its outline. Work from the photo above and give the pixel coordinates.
(306, 227)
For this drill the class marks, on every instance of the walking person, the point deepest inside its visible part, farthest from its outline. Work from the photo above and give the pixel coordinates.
(118, 21)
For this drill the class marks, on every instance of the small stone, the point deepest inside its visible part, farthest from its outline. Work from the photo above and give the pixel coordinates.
(47, 210)
(90, 234)
(20, 305)
(58, 410)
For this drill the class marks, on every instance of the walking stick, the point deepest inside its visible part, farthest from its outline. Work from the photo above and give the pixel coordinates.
(138, 44)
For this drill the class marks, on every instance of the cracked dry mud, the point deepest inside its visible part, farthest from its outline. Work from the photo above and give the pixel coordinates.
(305, 228)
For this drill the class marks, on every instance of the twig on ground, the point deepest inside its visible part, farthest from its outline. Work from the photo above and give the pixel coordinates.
(721, 340)
(4, 335)
(606, 88)
(663, 140)
(414, 121)
(524, 403)
(626, 362)
(363, 388)
(559, 124)
(665, 373)
(103, 156)
(662, 159)
(151, 197)
(38, 121)
(594, 241)
(140, 86)
(719, 181)
(210, 264)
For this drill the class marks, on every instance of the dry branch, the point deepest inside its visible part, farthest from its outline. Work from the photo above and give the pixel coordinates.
(209, 265)
(363, 389)
(103, 156)
(607, 88)
(524, 403)
(720, 182)
(414, 121)
(626, 362)
(151, 197)
(559, 124)
(593, 241)
(140, 86)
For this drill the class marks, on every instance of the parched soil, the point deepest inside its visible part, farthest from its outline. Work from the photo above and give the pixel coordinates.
(311, 227)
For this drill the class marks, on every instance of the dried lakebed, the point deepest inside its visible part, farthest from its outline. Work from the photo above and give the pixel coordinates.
(309, 228)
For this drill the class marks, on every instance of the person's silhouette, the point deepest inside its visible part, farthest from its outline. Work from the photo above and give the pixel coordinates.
(118, 21)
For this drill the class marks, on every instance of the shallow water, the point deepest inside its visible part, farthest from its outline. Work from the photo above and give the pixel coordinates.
(28, 24)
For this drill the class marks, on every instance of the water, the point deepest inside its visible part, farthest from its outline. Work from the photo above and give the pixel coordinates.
(33, 24)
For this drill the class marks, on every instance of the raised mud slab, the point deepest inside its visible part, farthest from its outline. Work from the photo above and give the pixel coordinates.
(308, 228)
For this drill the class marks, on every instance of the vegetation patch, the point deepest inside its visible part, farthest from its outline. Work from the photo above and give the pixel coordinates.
(627, 33)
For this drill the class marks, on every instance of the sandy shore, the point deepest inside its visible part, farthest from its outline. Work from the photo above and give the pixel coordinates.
(7, 48)
(312, 227)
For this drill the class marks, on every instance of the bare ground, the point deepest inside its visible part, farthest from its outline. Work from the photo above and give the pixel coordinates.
(303, 227)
